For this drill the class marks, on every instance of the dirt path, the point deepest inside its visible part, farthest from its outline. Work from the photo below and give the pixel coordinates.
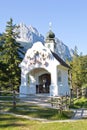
(79, 114)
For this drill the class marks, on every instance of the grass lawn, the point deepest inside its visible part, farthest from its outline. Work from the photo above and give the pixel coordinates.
(37, 111)
(8, 122)
(32, 110)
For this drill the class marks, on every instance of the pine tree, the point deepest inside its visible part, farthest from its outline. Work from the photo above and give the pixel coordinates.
(76, 70)
(83, 60)
(79, 71)
(11, 57)
(2, 65)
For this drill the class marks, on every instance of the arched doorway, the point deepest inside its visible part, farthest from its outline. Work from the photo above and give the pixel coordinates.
(40, 79)
(44, 83)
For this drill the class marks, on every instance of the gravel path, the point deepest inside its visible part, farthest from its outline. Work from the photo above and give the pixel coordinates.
(79, 113)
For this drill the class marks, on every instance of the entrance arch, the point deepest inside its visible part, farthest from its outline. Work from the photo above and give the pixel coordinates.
(44, 83)
(40, 78)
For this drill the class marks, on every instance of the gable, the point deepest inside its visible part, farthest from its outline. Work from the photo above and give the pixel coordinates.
(38, 54)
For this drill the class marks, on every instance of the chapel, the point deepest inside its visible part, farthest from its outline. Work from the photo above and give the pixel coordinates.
(43, 71)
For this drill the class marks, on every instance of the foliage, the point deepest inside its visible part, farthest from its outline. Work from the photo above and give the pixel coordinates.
(80, 103)
(10, 57)
(83, 60)
(84, 85)
(78, 70)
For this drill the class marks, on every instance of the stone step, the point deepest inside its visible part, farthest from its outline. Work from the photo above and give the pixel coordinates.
(36, 97)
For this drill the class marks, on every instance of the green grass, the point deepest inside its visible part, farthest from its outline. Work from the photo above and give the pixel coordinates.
(8, 122)
(8, 98)
(32, 110)
(37, 111)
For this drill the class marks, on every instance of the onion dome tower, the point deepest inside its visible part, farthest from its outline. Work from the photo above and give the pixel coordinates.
(50, 39)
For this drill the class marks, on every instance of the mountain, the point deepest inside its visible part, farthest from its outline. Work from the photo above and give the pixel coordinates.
(63, 51)
(29, 35)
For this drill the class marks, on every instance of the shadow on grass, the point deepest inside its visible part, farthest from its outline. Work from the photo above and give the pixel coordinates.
(10, 121)
(11, 125)
(39, 112)
(35, 111)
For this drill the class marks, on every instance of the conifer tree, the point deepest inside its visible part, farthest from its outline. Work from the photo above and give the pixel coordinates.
(2, 65)
(11, 57)
(76, 70)
(83, 60)
(79, 70)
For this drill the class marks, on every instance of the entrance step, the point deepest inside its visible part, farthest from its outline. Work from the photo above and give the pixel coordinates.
(37, 98)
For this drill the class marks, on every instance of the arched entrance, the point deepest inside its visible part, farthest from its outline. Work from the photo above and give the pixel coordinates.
(40, 79)
(44, 83)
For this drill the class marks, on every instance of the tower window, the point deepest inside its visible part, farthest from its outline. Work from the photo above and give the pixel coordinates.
(48, 45)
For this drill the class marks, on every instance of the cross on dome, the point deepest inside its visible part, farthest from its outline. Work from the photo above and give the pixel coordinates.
(50, 34)
(50, 25)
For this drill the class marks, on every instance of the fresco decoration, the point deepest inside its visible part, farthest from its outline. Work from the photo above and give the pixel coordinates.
(39, 57)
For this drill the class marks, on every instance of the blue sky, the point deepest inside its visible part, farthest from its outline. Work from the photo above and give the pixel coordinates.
(68, 17)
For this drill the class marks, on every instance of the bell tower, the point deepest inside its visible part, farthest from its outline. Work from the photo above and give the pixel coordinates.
(50, 39)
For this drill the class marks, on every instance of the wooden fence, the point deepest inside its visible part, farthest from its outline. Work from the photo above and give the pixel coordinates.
(8, 97)
(60, 103)
(79, 93)
(64, 102)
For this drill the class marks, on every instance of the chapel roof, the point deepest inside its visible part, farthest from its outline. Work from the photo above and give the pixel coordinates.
(62, 62)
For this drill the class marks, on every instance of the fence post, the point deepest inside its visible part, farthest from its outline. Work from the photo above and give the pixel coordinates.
(78, 93)
(61, 103)
(86, 92)
(0, 91)
(66, 101)
(52, 101)
(14, 100)
(71, 96)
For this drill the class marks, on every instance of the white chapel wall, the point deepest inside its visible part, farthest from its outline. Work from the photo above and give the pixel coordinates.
(62, 79)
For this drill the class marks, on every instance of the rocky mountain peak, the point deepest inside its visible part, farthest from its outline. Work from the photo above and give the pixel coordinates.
(29, 35)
